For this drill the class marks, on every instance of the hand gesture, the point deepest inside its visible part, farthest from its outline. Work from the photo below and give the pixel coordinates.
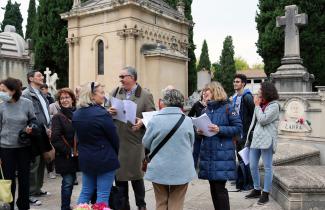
(137, 125)
(112, 111)
(257, 100)
(214, 128)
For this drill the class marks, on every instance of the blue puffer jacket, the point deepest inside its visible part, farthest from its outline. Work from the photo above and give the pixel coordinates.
(217, 155)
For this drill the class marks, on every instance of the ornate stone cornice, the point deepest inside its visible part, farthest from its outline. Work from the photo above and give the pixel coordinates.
(129, 32)
(72, 40)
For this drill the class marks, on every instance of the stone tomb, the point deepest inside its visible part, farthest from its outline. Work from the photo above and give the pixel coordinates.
(299, 187)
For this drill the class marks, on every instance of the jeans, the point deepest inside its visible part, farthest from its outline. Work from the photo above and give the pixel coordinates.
(139, 191)
(196, 150)
(102, 182)
(66, 190)
(254, 157)
(17, 159)
(36, 175)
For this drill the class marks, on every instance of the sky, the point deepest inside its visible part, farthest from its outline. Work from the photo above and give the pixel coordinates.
(214, 20)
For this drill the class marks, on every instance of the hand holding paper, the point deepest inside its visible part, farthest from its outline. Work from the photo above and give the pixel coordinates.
(202, 123)
(124, 110)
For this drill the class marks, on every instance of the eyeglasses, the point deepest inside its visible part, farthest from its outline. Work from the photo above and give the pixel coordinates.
(92, 87)
(237, 81)
(65, 98)
(123, 76)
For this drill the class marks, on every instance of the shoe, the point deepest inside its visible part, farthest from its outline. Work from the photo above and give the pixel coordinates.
(264, 198)
(42, 193)
(34, 202)
(253, 194)
(51, 175)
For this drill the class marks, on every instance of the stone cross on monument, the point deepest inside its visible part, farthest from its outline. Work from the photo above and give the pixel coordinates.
(292, 76)
(292, 20)
(47, 75)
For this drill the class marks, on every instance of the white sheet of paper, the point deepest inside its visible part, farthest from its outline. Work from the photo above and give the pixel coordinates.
(202, 123)
(119, 106)
(147, 116)
(130, 111)
(244, 154)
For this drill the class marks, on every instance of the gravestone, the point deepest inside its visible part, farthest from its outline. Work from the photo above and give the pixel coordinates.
(292, 76)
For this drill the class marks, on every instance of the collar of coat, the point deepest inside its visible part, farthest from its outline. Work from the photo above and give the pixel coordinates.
(137, 92)
(32, 92)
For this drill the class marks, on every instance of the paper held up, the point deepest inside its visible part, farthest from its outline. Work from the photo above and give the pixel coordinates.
(126, 110)
(202, 123)
(244, 154)
(147, 116)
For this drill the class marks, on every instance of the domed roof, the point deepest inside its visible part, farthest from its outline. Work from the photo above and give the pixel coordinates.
(12, 44)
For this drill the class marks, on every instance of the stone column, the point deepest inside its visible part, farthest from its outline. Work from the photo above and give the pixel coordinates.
(76, 62)
(71, 63)
(130, 50)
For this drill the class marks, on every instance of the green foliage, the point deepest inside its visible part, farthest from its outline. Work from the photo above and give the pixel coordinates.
(258, 66)
(13, 17)
(241, 64)
(227, 66)
(51, 49)
(31, 20)
(204, 62)
(270, 44)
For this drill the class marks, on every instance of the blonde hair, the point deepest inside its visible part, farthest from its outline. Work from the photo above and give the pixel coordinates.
(86, 93)
(218, 93)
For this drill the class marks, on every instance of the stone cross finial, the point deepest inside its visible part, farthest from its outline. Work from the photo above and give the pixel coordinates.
(76, 3)
(47, 75)
(292, 20)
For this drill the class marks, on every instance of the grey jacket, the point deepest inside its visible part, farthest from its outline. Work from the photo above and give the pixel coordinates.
(39, 112)
(266, 129)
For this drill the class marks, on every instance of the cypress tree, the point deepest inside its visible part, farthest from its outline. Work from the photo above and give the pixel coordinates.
(204, 61)
(51, 31)
(227, 66)
(13, 17)
(31, 20)
(270, 45)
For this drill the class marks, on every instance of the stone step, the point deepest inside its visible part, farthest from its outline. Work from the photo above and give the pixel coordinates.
(295, 154)
(299, 187)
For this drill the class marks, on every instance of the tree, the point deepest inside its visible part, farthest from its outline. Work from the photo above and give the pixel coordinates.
(241, 64)
(270, 45)
(227, 66)
(13, 17)
(31, 19)
(258, 66)
(204, 62)
(51, 49)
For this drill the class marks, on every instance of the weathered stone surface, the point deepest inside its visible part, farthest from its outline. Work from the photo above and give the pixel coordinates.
(299, 187)
(289, 154)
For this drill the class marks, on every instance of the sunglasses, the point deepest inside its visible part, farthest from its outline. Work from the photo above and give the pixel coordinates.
(123, 76)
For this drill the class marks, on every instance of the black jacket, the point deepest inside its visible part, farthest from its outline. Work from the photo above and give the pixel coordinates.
(196, 109)
(62, 130)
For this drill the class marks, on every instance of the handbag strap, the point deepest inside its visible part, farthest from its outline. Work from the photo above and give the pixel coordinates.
(167, 137)
(1, 172)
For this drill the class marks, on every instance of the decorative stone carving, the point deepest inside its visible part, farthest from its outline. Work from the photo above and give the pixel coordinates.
(51, 80)
(181, 7)
(72, 40)
(295, 116)
(76, 3)
(130, 32)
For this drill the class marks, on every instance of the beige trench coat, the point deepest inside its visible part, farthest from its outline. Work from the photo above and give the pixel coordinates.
(131, 151)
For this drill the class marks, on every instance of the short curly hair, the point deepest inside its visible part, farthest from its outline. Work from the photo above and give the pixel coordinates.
(173, 98)
(269, 91)
(67, 91)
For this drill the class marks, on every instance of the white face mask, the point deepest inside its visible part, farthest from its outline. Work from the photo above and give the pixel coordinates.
(5, 96)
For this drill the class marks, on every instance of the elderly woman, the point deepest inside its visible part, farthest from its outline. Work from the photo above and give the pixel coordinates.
(217, 154)
(16, 116)
(98, 144)
(172, 168)
(64, 141)
(264, 141)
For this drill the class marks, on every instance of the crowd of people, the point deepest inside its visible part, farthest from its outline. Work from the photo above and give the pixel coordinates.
(77, 132)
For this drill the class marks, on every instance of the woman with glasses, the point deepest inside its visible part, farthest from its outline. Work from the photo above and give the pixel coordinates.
(264, 142)
(98, 144)
(64, 141)
(217, 154)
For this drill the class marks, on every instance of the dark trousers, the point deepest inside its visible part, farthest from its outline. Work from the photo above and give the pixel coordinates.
(139, 191)
(196, 150)
(17, 159)
(36, 175)
(66, 190)
(50, 166)
(219, 194)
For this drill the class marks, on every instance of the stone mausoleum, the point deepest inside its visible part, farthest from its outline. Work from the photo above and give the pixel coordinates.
(106, 35)
(15, 57)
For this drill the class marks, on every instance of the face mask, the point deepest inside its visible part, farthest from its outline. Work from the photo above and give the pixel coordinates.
(5, 96)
